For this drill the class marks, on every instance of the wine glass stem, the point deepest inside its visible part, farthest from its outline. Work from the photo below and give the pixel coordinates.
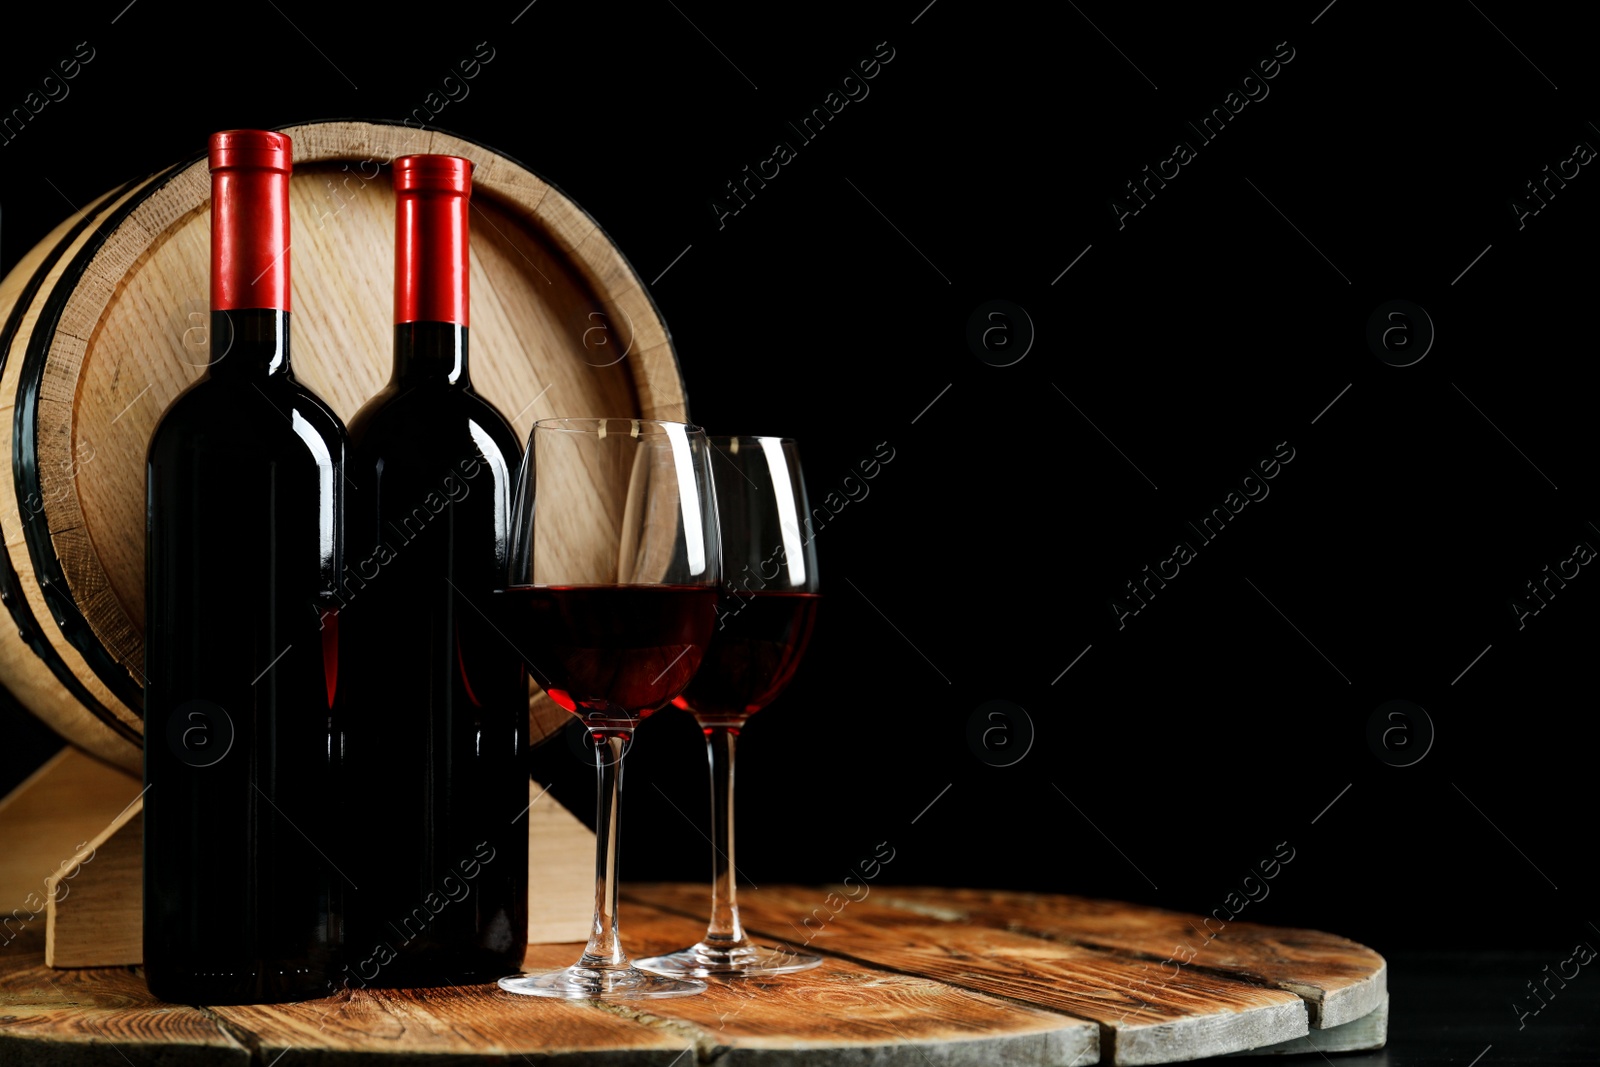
(605, 947)
(725, 930)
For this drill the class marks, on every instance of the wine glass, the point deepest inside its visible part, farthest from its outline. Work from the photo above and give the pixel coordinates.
(611, 593)
(764, 620)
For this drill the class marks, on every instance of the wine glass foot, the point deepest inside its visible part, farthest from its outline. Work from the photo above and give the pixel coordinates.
(596, 983)
(707, 960)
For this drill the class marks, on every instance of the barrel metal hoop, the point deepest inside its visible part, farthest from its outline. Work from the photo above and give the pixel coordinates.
(53, 584)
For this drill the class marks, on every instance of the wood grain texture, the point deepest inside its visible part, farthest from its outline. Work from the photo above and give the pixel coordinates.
(44, 824)
(560, 872)
(1371, 1031)
(1142, 1020)
(840, 1014)
(99, 1017)
(899, 987)
(561, 324)
(26, 676)
(848, 1013)
(456, 1025)
(38, 689)
(1339, 980)
(93, 916)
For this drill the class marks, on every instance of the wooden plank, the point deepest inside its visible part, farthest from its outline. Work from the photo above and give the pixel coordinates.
(44, 823)
(845, 1013)
(100, 1017)
(1339, 980)
(1371, 1031)
(94, 901)
(560, 872)
(910, 979)
(851, 1014)
(94, 920)
(1142, 1021)
(457, 1025)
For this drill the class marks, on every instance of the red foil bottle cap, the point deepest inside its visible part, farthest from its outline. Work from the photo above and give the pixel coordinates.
(433, 174)
(250, 219)
(252, 150)
(431, 264)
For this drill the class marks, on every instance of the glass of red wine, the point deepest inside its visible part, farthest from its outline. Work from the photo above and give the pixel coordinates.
(764, 620)
(611, 594)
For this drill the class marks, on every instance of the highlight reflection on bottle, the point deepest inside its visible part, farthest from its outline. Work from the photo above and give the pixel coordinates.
(244, 532)
(437, 699)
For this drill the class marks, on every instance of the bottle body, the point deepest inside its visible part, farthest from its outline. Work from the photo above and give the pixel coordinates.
(244, 535)
(437, 698)
(244, 484)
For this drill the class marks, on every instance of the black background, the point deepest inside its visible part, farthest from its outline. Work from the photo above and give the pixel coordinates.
(1230, 713)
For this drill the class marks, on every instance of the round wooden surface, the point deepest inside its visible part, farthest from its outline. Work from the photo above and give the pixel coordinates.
(106, 323)
(910, 977)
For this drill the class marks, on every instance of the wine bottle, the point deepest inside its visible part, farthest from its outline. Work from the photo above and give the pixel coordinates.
(244, 493)
(438, 697)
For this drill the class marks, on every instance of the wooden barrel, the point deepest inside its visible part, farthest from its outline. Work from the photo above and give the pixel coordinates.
(104, 323)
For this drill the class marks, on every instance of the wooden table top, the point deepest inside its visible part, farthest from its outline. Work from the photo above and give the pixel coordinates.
(910, 976)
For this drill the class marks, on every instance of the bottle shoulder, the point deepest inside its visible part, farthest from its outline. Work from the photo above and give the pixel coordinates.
(424, 419)
(250, 414)
(316, 411)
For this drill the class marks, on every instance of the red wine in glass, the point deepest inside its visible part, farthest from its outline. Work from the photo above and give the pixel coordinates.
(613, 654)
(754, 652)
(764, 620)
(611, 597)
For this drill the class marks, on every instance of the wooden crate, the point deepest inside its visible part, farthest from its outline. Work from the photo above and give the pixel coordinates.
(72, 859)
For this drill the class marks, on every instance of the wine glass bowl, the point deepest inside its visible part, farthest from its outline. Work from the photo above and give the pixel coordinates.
(611, 594)
(765, 615)
(612, 655)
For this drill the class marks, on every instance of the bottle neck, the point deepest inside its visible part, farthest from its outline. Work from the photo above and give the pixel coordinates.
(431, 352)
(249, 239)
(431, 266)
(249, 343)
